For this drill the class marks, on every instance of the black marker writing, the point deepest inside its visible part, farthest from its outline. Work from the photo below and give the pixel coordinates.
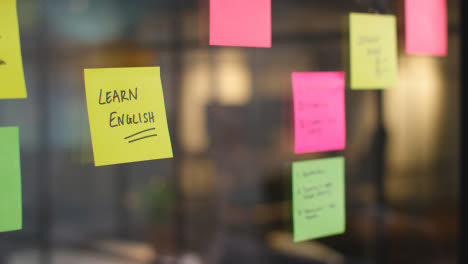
(120, 97)
(133, 139)
(310, 173)
(117, 120)
(367, 40)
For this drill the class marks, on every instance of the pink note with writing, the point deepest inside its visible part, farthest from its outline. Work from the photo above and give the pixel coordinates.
(245, 23)
(426, 27)
(319, 111)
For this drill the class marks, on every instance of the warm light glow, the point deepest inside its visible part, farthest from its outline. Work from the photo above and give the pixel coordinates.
(412, 112)
(231, 86)
(414, 124)
(196, 94)
(233, 83)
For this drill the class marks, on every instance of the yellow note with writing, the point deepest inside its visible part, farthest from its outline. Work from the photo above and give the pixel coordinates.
(127, 117)
(373, 54)
(12, 84)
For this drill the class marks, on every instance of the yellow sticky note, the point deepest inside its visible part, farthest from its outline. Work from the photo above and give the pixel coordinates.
(12, 84)
(373, 54)
(127, 117)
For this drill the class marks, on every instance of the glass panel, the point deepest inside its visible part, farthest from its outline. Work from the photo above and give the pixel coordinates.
(225, 197)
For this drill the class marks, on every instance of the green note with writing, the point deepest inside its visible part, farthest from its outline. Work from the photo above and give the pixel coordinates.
(10, 180)
(318, 198)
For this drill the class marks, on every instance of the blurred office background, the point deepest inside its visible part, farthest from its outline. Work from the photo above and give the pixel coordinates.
(225, 197)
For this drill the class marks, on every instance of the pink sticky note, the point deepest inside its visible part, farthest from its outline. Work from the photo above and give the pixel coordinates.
(319, 111)
(245, 23)
(426, 27)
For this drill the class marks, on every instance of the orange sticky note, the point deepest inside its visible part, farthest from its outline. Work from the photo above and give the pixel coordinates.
(245, 23)
(319, 111)
(426, 27)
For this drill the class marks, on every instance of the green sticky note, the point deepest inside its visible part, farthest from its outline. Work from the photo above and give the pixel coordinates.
(318, 198)
(10, 180)
(373, 51)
